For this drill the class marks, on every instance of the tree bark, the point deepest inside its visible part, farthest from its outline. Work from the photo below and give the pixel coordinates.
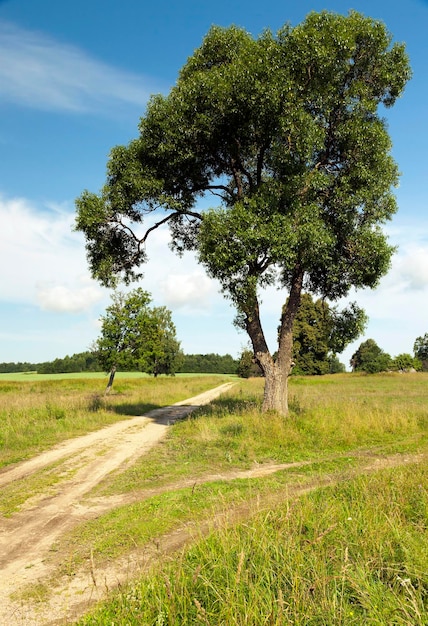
(275, 396)
(110, 380)
(276, 373)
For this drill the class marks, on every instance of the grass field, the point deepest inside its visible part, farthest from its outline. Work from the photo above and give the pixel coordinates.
(340, 537)
(34, 376)
(38, 411)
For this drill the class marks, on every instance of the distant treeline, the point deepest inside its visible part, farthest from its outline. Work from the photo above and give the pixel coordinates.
(88, 362)
(209, 364)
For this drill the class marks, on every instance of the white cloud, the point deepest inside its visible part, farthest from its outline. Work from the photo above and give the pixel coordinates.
(63, 299)
(45, 264)
(40, 72)
(43, 260)
(412, 267)
(192, 291)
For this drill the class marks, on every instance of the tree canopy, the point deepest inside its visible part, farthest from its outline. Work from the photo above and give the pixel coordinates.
(420, 350)
(135, 336)
(283, 131)
(320, 332)
(370, 358)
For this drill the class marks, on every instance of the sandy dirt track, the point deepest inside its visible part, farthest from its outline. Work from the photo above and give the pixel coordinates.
(27, 536)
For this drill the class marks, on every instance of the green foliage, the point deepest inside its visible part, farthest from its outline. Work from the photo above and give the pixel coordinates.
(284, 131)
(335, 366)
(405, 363)
(247, 367)
(5, 368)
(80, 362)
(135, 336)
(420, 350)
(320, 331)
(208, 364)
(370, 358)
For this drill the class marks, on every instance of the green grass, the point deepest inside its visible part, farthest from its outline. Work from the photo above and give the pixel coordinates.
(352, 554)
(36, 414)
(14, 494)
(35, 376)
(135, 525)
(329, 416)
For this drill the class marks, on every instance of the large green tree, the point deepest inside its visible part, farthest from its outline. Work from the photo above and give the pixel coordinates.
(284, 131)
(135, 336)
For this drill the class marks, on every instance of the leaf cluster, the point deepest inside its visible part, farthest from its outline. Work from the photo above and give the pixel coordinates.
(283, 131)
(135, 336)
(321, 331)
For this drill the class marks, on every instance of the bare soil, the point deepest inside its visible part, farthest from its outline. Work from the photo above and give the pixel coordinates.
(28, 537)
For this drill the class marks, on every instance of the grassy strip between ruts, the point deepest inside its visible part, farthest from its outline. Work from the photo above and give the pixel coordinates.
(350, 554)
(135, 524)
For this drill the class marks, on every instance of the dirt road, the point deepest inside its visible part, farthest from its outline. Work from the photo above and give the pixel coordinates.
(27, 536)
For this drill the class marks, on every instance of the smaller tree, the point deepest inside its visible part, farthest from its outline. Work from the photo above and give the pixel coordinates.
(135, 336)
(405, 363)
(420, 350)
(320, 332)
(335, 366)
(247, 366)
(370, 358)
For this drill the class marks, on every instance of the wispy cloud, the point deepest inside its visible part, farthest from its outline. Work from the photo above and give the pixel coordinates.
(39, 72)
(66, 299)
(43, 261)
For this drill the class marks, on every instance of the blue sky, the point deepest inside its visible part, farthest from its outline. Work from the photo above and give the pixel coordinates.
(74, 80)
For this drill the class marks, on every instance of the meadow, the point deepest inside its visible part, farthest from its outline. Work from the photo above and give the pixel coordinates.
(40, 410)
(338, 534)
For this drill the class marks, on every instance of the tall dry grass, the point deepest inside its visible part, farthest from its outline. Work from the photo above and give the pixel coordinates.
(34, 415)
(353, 554)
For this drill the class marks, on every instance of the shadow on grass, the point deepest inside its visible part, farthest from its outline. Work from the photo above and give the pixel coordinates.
(226, 406)
(134, 410)
(98, 402)
(222, 407)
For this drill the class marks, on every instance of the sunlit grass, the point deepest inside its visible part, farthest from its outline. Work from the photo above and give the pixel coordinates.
(346, 554)
(34, 414)
(352, 554)
(328, 415)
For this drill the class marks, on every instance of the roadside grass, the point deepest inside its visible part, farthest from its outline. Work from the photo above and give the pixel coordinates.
(335, 424)
(37, 414)
(329, 415)
(328, 437)
(351, 554)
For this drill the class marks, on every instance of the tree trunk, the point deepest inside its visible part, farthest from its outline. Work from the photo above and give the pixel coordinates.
(275, 396)
(276, 372)
(110, 380)
(275, 392)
